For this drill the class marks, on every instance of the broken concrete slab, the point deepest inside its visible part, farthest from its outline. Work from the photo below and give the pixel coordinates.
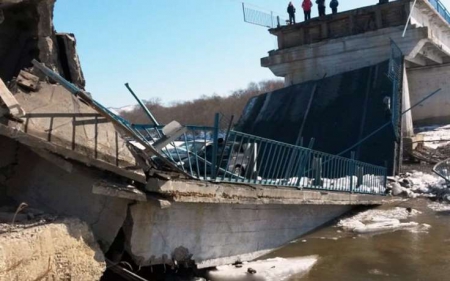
(205, 192)
(55, 115)
(28, 80)
(10, 101)
(111, 189)
(38, 143)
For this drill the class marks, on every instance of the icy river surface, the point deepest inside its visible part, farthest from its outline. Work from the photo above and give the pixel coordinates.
(417, 253)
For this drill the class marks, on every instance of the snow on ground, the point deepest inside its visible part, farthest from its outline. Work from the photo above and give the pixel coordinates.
(276, 269)
(423, 182)
(435, 136)
(377, 221)
(419, 184)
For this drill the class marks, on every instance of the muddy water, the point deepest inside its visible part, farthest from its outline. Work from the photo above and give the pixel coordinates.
(400, 255)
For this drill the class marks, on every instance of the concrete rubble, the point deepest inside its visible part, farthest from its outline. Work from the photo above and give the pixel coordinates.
(60, 250)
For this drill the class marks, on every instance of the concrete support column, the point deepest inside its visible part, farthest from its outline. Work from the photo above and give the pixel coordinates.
(407, 124)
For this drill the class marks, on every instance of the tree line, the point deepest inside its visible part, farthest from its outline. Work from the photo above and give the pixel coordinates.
(201, 111)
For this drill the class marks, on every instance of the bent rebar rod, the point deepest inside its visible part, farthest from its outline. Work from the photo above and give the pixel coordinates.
(149, 114)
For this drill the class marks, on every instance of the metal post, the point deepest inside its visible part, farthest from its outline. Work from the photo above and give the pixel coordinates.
(243, 11)
(215, 146)
(225, 141)
(278, 21)
(271, 19)
(352, 170)
(149, 114)
(409, 18)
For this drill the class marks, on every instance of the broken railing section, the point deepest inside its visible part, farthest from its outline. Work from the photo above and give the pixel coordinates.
(442, 169)
(138, 145)
(223, 155)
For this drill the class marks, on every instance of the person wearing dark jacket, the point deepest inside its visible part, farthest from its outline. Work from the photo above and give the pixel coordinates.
(306, 5)
(321, 7)
(291, 12)
(334, 6)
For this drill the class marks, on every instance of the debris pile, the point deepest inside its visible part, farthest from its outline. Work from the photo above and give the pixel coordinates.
(433, 144)
(62, 250)
(419, 184)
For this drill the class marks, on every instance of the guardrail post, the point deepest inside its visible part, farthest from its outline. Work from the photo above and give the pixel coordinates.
(385, 174)
(352, 170)
(215, 146)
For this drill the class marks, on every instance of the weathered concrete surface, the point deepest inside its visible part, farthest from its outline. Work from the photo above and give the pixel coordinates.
(359, 38)
(47, 147)
(42, 184)
(346, 23)
(422, 82)
(217, 234)
(64, 250)
(343, 109)
(8, 101)
(204, 192)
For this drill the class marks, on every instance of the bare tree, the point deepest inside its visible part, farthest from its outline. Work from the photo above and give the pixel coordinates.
(201, 111)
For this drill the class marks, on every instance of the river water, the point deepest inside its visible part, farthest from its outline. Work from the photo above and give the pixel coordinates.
(399, 255)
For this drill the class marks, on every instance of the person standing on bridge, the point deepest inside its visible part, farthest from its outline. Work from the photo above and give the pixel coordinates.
(321, 7)
(334, 6)
(306, 5)
(291, 12)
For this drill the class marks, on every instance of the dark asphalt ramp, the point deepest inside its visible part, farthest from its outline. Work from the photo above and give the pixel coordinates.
(343, 109)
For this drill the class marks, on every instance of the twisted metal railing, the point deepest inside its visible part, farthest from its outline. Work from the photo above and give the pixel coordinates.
(236, 157)
(442, 169)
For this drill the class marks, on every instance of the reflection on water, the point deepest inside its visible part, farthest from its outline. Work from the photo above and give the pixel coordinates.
(400, 255)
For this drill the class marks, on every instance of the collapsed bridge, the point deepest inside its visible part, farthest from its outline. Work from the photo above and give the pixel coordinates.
(207, 195)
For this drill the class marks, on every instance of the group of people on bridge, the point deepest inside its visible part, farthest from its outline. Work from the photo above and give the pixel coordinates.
(321, 5)
(307, 5)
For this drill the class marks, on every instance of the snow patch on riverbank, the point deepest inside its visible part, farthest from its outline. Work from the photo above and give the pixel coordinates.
(276, 269)
(378, 221)
(418, 184)
(439, 207)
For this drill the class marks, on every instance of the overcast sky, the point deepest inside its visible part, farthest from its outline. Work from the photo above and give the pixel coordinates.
(173, 50)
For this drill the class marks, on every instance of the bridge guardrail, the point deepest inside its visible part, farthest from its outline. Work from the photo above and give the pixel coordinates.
(236, 157)
(441, 9)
